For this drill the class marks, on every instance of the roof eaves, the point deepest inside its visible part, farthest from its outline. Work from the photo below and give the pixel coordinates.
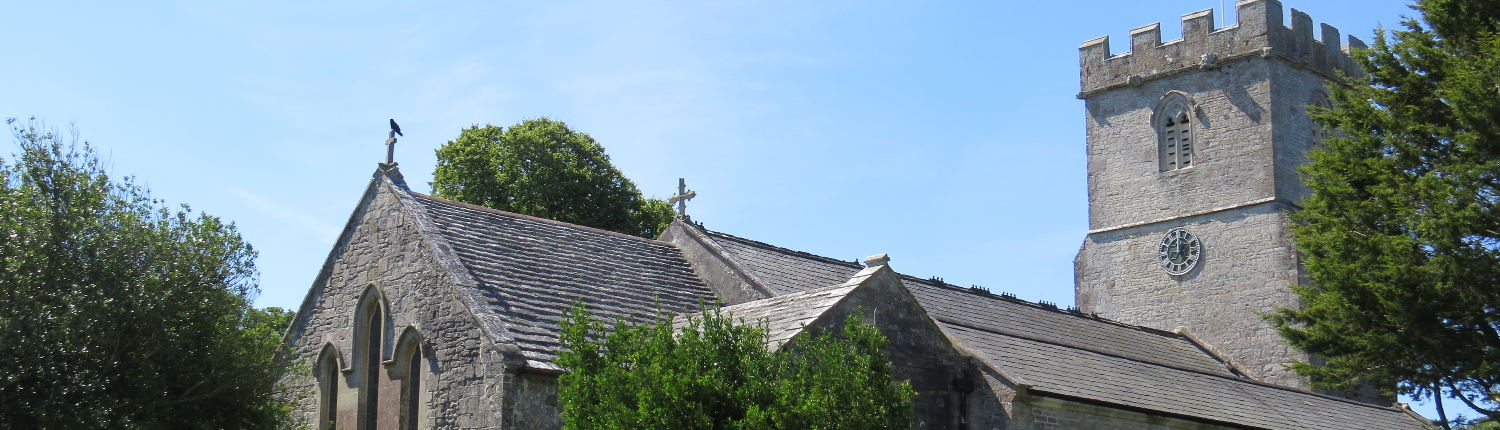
(1219, 376)
(1137, 409)
(998, 332)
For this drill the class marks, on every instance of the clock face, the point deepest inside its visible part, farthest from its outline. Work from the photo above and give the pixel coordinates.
(1179, 252)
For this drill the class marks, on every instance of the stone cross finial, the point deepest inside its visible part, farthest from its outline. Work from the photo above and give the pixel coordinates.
(390, 144)
(683, 195)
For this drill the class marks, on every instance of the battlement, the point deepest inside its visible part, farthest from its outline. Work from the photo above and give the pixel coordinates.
(1259, 34)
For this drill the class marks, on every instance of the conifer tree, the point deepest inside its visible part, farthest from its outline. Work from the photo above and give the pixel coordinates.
(1401, 234)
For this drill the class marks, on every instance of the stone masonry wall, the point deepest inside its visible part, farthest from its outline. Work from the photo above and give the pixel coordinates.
(1249, 85)
(919, 352)
(1246, 266)
(1259, 33)
(383, 248)
(1232, 142)
(1293, 89)
(531, 402)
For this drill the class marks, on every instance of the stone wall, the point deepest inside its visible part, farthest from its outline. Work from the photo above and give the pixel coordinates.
(1249, 86)
(1260, 32)
(1246, 266)
(531, 402)
(1294, 90)
(1232, 142)
(919, 352)
(383, 248)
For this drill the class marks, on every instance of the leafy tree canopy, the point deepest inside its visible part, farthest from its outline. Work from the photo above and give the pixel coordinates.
(714, 374)
(1402, 233)
(117, 312)
(540, 167)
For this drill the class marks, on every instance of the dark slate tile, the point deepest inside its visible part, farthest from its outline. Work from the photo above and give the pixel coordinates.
(529, 271)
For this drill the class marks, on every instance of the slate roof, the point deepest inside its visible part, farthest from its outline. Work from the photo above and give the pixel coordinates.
(1078, 373)
(786, 315)
(784, 269)
(529, 270)
(1078, 357)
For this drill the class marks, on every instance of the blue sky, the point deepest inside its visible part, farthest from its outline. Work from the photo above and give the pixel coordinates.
(943, 133)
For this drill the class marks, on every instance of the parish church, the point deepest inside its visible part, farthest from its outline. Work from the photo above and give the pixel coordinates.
(434, 314)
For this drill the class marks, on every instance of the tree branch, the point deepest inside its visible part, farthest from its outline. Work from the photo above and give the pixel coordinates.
(1460, 395)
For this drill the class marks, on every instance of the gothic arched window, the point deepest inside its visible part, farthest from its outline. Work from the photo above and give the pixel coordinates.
(328, 401)
(410, 351)
(412, 404)
(1173, 121)
(370, 386)
(369, 338)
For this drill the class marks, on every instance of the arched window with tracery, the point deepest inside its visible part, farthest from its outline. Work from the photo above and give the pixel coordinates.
(1173, 121)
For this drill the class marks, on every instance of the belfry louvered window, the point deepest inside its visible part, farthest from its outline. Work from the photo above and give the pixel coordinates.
(1320, 132)
(1172, 119)
(1177, 141)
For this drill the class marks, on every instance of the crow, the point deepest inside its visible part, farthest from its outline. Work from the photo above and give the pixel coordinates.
(396, 128)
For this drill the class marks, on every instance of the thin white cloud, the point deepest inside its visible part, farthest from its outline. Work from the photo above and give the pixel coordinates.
(325, 233)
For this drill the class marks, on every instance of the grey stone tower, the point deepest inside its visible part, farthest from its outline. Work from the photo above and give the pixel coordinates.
(1193, 146)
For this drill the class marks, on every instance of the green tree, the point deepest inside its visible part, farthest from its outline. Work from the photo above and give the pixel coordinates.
(116, 312)
(713, 374)
(1401, 233)
(540, 167)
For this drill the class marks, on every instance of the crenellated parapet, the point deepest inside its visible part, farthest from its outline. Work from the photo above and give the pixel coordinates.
(1259, 34)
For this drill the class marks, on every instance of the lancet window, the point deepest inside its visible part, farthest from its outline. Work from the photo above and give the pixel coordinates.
(369, 338)
(409, 353)
(328, 401)
(1173, 120)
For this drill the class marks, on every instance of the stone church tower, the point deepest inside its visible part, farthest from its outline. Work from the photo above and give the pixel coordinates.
(1193, 149)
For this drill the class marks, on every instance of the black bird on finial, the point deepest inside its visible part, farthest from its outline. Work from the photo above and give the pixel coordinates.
(390, 144)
